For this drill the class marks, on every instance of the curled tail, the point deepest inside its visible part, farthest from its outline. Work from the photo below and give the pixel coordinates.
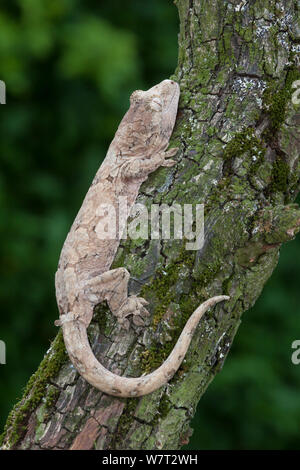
(81, 355)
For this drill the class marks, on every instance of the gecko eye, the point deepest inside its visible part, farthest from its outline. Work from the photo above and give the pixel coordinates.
(156, 104)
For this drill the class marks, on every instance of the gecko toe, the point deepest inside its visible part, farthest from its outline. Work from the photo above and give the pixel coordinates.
(171, 152)
(168, 163)
(138, 321)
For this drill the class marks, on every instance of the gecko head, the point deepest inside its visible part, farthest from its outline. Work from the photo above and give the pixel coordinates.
(162, 96)
(161, 100)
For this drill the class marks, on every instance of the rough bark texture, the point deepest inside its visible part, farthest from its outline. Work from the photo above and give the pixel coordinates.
(237, 130)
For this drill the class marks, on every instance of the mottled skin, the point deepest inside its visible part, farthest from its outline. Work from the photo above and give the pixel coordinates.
(83, 278)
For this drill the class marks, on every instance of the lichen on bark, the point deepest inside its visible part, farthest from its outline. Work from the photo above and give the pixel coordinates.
(238, 134)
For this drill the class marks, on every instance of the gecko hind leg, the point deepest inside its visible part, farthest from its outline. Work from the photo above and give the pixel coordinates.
(112, 286)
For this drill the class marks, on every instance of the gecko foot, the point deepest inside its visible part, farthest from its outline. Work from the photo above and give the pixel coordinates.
(134, 306)
(167, 160)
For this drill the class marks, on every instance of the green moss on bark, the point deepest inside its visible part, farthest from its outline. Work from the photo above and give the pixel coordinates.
(276, 100)
(280, 176)
(35, 390)
(125, 423)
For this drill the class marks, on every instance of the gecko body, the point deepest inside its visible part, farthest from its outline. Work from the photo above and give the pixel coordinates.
(83, 278)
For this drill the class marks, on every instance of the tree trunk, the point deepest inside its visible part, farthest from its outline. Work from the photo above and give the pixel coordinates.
(238, 132)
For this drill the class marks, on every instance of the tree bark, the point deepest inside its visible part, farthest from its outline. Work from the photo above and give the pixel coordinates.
(238, 132)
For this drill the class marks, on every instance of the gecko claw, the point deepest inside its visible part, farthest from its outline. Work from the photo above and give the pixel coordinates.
(171, 152)
(169, 163)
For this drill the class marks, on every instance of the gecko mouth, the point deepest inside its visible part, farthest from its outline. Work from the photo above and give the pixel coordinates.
(175, 93)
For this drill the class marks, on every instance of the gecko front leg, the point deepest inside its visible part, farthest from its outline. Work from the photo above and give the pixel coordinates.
(142, 167)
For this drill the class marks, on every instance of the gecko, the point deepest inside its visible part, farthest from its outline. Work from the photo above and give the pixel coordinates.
(84, 278)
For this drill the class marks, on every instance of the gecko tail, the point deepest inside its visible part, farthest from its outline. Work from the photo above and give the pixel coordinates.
(82, 356)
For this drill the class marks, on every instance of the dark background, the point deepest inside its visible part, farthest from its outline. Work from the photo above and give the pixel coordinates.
(69, 68)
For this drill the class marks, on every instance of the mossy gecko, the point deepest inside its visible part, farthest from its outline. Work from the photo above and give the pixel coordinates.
(84, 278)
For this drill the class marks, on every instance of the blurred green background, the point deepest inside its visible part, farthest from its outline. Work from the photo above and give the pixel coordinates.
(69, 67)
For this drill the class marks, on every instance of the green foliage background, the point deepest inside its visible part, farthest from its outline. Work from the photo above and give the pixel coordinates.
(69, 68)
